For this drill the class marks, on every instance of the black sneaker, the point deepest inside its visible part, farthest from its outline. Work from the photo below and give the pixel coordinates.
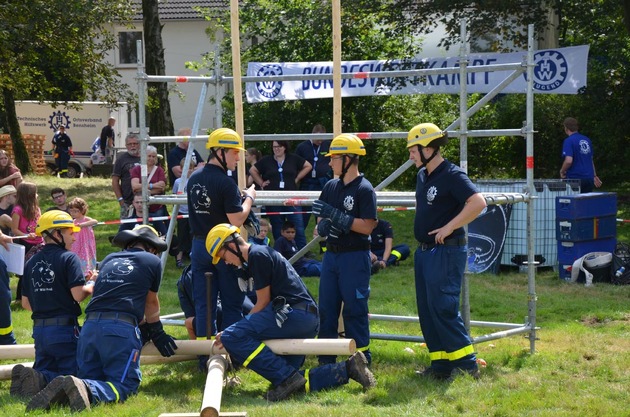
(433, 373)
(292, 384)
(357, 367)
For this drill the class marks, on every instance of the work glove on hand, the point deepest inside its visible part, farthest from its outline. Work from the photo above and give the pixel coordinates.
(164, 343)
(335, 232)
(145, 336)
(323, 227)
(338, 218)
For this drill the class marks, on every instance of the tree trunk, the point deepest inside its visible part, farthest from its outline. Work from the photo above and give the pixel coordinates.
(20, 155)
(159, 108)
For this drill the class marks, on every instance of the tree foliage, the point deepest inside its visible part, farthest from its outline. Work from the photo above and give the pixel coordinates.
(55, 50)
(158, 104)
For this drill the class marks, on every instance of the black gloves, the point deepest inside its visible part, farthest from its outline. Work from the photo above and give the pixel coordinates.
(164, 343)
(340, 220)
(145, 337)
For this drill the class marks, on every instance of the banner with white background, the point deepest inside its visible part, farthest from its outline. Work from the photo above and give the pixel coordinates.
(557, 71)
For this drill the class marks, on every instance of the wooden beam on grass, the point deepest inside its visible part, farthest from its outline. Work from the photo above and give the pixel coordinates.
(206, 347)
(211, 404)
(5, 370)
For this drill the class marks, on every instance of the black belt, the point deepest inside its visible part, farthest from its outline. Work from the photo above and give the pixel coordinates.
(347, 248)
(57, 321)
(110, 315)
(456, 241)
(310, 307)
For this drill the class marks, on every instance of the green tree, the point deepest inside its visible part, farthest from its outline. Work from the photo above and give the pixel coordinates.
(159, 108)
(56, 50)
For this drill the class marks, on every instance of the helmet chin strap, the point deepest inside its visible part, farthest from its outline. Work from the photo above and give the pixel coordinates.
(345, 167)
(238, 253)
(425, 161)
(220, 159)
(50, 235)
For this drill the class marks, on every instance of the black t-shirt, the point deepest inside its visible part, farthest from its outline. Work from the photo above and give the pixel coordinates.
(48, 278)
(276, 173)
(211, 194)
(124, 280)
(309, 151)
(358, 199)
(174, 159)
(270, 268)
(439, 198)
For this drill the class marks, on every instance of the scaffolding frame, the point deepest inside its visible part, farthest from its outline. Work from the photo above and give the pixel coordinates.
(383, 198)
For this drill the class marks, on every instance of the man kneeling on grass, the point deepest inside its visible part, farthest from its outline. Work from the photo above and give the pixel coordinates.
(284, 309)
(108, 352)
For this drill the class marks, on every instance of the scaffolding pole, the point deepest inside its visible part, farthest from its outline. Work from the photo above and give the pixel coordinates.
(463, 69)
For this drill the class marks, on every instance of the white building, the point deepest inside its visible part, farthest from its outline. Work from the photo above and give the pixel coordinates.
(184, 38)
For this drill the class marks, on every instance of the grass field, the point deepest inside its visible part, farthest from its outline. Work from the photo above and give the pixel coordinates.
(580, 366)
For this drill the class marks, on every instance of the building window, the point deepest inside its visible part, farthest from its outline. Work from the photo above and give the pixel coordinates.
(127, 51)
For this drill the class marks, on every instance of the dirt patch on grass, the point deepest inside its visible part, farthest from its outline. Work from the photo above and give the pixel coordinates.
(599, 321)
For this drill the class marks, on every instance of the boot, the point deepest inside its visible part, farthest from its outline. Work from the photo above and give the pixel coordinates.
(63, 390)
(357, 367)
(295, 382)
(26, 382)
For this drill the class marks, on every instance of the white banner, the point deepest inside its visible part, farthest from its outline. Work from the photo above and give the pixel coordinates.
(557, 71)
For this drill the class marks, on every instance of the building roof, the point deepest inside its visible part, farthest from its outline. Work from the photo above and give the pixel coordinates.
(181, 9)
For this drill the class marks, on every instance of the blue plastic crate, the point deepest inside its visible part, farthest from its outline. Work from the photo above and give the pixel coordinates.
(580, 206)
(568, 252)
(575, 230)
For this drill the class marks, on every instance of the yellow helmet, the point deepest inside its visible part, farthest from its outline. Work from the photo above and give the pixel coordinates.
(346, 143)
(424, 134)
(225, 138)
(217, 236)
(55, 219)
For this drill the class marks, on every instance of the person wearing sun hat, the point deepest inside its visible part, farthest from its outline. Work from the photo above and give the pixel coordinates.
(123, 314)
(54, 285)
(8, 195)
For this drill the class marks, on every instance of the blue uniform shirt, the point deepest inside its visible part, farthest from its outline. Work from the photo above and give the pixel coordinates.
(48, 277)
(439, 198)
(358, 199)
(123, 282)
(580, 148)
(382, 231)
(269, 267)
(211, 195)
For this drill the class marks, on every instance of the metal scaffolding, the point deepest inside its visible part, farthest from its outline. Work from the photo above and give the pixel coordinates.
(457, 128)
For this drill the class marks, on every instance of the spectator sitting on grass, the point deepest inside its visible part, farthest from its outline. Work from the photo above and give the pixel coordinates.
(287, 247)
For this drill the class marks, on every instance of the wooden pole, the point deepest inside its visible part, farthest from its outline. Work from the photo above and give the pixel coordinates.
(211, 404)
(206, 347)
(336, 39)
(5, 370)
